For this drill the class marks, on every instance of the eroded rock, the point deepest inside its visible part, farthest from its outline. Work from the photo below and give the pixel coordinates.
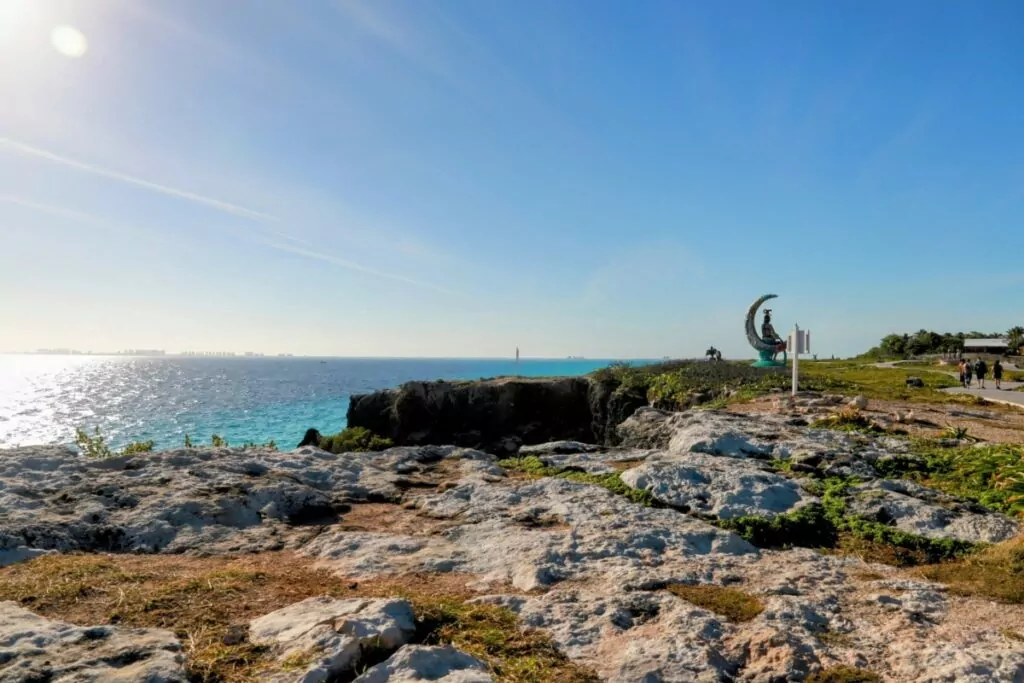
(916, 509)
(421, 663)
(33, 648)
(325, 637)
(720, 487)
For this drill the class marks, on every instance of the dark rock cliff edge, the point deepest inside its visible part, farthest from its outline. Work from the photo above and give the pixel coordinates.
(497, 415)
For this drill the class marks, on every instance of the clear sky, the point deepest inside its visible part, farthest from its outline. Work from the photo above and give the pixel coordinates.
(598, 178)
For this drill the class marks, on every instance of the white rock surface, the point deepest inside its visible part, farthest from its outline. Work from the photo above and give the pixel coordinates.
(587, 531)
(33, 648)
(333, 633)
(919, 510)
(220, 500)
(587, 566)
(721, 487)
(421, 663)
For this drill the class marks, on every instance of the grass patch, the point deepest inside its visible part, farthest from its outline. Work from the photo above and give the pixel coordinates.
(996, 573)
(681, 384)
(828, 525)
(990, 474)
(354, 440)
(844, 674)
(534, 466)
(200, 599)
(734, 605)
(886, 383)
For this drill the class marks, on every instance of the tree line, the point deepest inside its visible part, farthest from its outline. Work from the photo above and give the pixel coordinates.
(925, 342)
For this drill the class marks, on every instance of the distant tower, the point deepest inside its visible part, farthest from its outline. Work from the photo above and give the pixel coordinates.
(517, 354)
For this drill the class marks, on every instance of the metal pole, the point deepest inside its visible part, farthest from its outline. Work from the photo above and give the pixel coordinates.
(796, 356)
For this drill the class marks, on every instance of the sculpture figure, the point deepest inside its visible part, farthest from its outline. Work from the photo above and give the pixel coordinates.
(768, 344)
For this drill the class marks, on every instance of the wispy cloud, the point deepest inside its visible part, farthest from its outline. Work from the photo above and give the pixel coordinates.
(226, 207)
(88, 219)
(358, 267)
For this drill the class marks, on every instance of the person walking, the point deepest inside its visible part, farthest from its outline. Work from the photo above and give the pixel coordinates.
(997, 373)
(963, 373)
(968, 373)
(981, 369)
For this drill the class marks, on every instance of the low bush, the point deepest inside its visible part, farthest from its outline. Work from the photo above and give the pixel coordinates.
(95, 446)
(828, 525)
(354, 440)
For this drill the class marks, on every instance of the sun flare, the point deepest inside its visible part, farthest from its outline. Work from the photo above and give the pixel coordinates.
(69, 41)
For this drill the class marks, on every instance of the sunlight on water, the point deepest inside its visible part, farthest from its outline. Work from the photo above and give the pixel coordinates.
(44, 398)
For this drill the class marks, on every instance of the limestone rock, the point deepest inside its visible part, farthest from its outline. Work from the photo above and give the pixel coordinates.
(916, 509)
(945, 663)
(33, 648)
(592, 532)
(333, 634)
(496, 414)
(187, 500)
(420, 663)
(718, 486)
(858, 402)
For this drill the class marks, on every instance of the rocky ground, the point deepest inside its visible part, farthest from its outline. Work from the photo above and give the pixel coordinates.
(657, 560)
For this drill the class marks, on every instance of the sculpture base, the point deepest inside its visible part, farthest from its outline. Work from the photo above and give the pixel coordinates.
(767, 361)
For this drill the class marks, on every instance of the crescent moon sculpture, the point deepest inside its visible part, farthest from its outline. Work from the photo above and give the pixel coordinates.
(767, 349)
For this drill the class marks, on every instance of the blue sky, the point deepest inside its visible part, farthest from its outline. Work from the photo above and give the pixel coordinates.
(456, 178)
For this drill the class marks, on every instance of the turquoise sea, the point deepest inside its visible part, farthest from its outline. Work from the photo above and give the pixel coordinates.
(44, 398)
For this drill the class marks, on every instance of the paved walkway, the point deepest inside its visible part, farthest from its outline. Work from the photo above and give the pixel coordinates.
(990, 393)
(993, 394)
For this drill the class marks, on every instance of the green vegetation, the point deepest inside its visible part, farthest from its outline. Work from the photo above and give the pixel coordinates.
(828, 525)
(533, 466)
(354, 440)
(735, 605)
(883, 383)
(218, 442)
(95, 446)
(202, 600)
(272, 445)
(844, 674)
(996, 573)
(925, 342)
(990, 474)
(682, 384)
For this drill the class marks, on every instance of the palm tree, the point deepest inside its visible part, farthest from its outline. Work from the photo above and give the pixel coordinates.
(1015, 339)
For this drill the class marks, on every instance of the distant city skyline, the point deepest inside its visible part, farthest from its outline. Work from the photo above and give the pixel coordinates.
(452, 179)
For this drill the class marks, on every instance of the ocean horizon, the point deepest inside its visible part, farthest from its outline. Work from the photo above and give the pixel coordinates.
(44, 398)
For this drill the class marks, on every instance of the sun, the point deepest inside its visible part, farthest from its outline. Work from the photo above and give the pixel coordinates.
(69, 41)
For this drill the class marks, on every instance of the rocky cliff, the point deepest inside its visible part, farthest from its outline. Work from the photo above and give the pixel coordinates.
(687, 554)
(497, 415)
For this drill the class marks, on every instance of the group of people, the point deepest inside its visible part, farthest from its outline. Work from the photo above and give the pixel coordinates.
(979, 369)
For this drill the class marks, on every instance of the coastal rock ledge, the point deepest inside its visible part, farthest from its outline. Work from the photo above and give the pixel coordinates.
(650, 561)
(497, 415)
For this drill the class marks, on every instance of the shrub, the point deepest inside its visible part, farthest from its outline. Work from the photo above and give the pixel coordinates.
(95, 446)
(824, 525)
(137, 447)
(354, 440)
(218, 442)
